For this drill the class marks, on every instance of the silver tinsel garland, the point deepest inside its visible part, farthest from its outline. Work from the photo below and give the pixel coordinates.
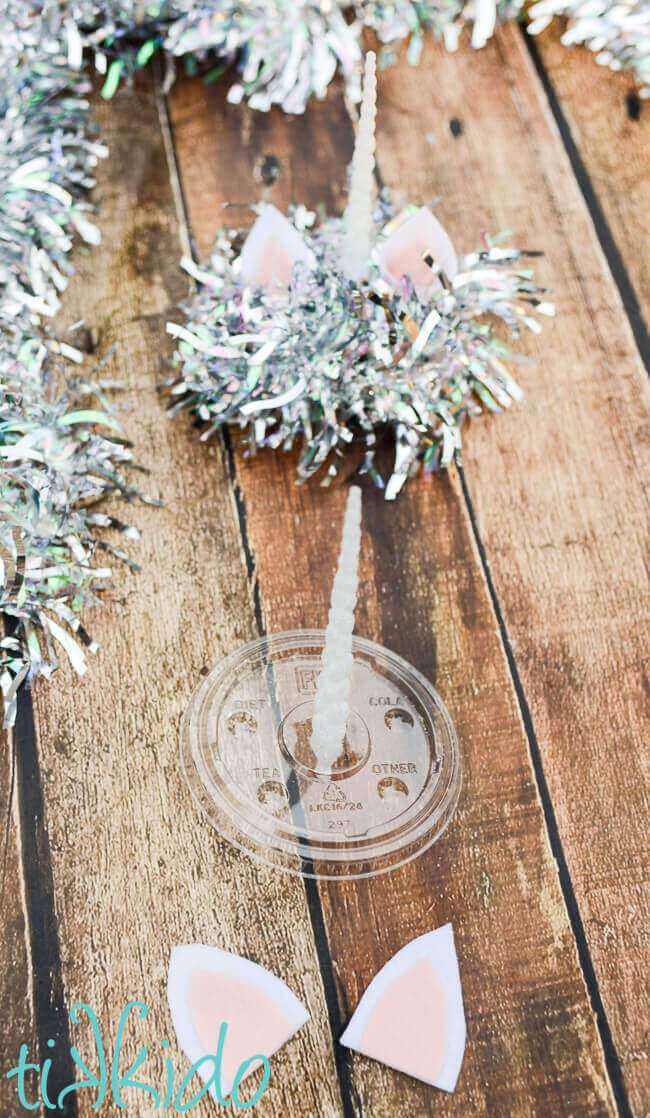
(285, 51)
(394, 20)
(326, 361)
(59, 453)
(619, 31)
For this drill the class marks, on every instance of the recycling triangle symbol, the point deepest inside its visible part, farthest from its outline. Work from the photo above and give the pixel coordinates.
(334, 793)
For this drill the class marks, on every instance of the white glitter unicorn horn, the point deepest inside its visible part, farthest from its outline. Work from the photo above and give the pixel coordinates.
(357, 243)
(332, 702)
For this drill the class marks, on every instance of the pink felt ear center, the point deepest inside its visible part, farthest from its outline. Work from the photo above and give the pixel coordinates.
(408, 1026)
(407, 261)
(275, 264)
(256, 1025)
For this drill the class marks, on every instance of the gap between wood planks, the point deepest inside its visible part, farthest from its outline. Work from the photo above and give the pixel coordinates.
(586, 963)
(619, 274)
(50, 1011)
(604, 233)
(642, 339)
(50, 1017)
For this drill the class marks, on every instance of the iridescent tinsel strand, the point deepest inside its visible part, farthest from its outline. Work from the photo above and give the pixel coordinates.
(60, 447)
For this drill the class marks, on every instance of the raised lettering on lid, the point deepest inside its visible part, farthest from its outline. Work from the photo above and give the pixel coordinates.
(322, 753)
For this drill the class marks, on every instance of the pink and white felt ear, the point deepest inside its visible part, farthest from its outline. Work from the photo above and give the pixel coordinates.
(402, 253)
(206, 987)
(411, 1016)
(271, 250)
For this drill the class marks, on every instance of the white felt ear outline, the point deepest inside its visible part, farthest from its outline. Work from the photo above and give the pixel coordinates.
(438, 948)
(272, 223)
(196, 956)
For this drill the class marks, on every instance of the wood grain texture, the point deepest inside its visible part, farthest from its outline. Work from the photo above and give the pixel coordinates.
(559, 487)
(135, 868)
(533, 1046)
(611, 127)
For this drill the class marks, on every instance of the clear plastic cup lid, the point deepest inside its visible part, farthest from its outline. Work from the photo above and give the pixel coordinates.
(246, 752)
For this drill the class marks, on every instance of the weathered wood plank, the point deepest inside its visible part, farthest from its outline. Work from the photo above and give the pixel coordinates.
(16, 1012)
(490, 874)
(135, 868)
(558, 489)
(611, 127)
(533, 1045)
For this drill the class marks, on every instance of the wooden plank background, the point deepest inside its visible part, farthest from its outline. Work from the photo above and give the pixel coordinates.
(516, 585)
(607, 133)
